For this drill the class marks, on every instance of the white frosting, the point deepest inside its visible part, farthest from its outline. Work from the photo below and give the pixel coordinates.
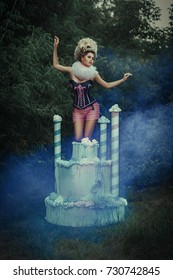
(107, 201)
(87, 142)
(103, 119)
(115, 108)
(57, 118)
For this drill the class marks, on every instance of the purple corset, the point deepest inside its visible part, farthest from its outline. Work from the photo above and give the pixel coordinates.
(82, 97)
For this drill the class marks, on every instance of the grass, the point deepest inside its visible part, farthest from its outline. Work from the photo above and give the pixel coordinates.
(146, 232)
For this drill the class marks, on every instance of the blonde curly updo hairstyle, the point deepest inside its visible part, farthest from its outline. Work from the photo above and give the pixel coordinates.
(84, 46)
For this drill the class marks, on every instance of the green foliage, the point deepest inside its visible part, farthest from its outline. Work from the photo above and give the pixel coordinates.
(31, 93)
(170, 28)
(131, 24)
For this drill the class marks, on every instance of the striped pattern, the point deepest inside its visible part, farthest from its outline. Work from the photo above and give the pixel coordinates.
(103, 140)
(103, 121)
(57, 140)
(89, 113)
(115, 153)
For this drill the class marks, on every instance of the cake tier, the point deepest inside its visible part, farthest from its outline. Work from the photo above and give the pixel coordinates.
(101, 212)
(82, 180)
(86, 149)
(84, 176)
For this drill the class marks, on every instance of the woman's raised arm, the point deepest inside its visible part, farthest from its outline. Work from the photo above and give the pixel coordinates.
(56, 64)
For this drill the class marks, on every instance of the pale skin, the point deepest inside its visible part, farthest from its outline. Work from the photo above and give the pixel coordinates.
(84, 128)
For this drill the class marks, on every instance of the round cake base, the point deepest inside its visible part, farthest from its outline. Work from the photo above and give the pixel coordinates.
(85, 213)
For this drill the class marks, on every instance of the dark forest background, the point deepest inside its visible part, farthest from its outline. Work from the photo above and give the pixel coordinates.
(31, 92)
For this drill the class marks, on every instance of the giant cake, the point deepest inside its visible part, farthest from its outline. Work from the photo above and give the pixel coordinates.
(83, 195)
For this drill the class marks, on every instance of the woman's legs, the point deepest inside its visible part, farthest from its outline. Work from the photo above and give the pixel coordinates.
(85, 121)
(89, 128)
(78, 129)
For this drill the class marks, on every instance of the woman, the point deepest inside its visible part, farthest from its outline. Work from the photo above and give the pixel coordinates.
(82, 73)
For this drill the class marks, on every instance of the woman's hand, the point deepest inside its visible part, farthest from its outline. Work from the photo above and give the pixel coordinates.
(126, 76)
(56, 41)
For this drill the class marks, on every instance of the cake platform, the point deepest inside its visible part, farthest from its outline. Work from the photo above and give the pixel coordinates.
(105, 211)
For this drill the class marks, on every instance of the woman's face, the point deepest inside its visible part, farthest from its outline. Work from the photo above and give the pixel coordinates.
(88, 59)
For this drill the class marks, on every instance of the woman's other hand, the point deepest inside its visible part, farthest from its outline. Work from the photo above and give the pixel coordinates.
(126, 76)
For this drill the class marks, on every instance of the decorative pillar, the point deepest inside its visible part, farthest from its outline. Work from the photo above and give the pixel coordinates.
(115, 148)
(103, 136)
(57, 137)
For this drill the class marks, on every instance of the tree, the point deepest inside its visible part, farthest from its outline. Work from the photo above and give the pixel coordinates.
(165, 58)
(130, 24)
(170, 28)
(31, 91)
